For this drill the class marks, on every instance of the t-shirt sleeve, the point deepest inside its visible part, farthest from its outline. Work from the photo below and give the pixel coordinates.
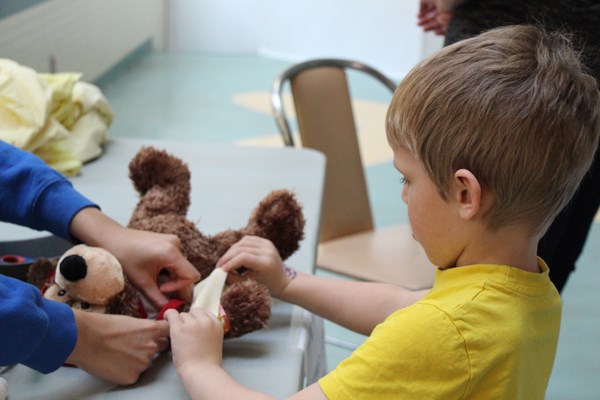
(35, 195)
(417, 353)
(36, 332)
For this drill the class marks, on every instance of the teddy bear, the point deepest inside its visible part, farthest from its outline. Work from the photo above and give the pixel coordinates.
(89, 279)
(163, 183)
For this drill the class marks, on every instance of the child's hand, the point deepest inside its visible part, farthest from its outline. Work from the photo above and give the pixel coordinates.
(259, 259)
(196, 339)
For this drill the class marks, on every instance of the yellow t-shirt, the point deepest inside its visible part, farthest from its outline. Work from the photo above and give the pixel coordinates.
(483, 332)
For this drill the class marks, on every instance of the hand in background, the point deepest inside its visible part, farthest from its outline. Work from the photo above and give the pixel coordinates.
(261, 260)
(435, 15)
(117, 348)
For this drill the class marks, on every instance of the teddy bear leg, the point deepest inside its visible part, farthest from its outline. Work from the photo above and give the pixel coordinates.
(247, 305)
(279, 218)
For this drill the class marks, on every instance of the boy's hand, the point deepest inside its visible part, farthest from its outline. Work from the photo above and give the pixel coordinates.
(196, 339)
(260, 261)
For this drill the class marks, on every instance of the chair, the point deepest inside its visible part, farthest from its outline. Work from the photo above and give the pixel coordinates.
(349, 243)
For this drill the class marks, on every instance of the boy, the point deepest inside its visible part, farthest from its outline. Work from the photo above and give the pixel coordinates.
(492, 136)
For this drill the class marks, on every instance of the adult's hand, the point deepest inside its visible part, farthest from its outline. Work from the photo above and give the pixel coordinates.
(144, 255)
(117, 348)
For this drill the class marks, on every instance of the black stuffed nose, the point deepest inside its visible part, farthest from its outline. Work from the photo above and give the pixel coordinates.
(73, 267)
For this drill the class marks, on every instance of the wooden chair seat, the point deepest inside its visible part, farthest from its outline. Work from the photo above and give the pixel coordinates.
(384, 255)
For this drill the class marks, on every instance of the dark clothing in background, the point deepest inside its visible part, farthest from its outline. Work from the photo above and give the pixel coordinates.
(564, 241)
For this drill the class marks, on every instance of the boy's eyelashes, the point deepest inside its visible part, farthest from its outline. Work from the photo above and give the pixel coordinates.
(403, 180)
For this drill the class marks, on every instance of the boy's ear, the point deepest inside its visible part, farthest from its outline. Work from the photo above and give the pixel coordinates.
(467, 194)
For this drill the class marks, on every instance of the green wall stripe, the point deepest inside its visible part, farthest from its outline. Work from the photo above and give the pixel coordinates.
(9, 7)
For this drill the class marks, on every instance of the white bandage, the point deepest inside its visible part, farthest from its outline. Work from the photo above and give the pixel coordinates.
(207, 294)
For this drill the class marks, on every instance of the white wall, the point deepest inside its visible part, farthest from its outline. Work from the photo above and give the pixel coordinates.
(91, 36)
(229, 26)
(88, 36)
(382, 33)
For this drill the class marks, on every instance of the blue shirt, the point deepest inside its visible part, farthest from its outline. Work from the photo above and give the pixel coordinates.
(34, 331)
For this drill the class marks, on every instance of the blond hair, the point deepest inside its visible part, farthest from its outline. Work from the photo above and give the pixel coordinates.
(512, 105)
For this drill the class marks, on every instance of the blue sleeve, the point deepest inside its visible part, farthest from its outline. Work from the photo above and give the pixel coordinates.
(34, 195)
(34, 331)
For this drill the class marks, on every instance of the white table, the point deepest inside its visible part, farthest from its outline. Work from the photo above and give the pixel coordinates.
(227, 182)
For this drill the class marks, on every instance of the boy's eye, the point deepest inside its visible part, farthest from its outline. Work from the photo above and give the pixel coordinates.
(403, 180)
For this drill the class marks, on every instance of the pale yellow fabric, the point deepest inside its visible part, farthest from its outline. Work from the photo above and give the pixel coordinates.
(61, 106)
(483, 332)
(56, 116)
(90, 130)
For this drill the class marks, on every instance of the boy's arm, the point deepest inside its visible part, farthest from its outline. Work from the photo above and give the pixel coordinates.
(359, 306)
(196, 343)
(213, 382)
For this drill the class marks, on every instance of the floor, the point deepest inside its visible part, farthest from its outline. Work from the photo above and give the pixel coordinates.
(225, 98)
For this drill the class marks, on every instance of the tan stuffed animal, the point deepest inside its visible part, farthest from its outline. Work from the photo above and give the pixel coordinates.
(89, 279)
(163, 183)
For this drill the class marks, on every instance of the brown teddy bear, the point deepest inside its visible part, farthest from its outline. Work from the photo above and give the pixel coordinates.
(89, 279)
(163, 184)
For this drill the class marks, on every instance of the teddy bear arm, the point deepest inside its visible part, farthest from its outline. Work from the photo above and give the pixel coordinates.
(126, 302)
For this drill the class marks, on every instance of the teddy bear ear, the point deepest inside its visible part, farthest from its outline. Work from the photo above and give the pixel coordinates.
(41, 272)
(156, 169)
